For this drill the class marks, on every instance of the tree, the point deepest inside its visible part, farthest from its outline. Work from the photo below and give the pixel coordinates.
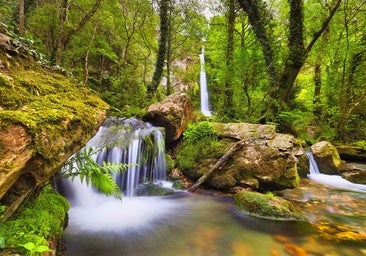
(163, 38)
(282, 71)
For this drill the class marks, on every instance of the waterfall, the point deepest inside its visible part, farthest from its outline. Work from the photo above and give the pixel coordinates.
(313, 165)
(335, 181)
(205, 109)
(132, 142)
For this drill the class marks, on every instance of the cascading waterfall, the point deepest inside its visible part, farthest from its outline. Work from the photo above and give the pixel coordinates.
(132, 142)
(331, 180)
(141, 146)
(205, 109)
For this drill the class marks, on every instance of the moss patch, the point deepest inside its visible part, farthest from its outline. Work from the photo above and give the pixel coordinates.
(38, 220)
(267, 206)
(45, 102)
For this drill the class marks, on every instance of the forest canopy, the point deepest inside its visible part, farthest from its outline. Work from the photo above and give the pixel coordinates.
(298, 64)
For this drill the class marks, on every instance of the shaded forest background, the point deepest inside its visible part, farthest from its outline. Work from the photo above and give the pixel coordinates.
(298, 64)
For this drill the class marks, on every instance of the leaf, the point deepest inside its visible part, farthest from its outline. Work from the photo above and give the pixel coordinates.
(42, 248)
(29, 246)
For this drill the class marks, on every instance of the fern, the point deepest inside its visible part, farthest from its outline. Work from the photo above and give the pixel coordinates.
(83, 166)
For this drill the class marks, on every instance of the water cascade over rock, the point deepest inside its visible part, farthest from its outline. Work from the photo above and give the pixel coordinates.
(335, 181)
(132, 142)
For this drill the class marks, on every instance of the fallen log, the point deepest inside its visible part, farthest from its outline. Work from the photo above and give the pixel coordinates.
(218, 164)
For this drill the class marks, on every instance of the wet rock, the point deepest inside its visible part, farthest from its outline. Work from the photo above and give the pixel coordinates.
(352, 153)
(267, 206)
(173, 113)
(354, 174)
(327, 157)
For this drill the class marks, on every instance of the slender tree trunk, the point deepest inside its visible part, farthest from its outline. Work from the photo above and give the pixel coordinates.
(160, 61)
(169, 87)
(86, 62)
(21, 18)
(229, 94)
(317, 110)
(65, 35)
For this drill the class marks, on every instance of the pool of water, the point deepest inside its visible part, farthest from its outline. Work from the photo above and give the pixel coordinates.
(205, 224)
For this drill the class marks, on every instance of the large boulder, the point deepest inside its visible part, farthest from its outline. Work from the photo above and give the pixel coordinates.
(327, 157)
(267, 161)
(173, 113)
(44, 119)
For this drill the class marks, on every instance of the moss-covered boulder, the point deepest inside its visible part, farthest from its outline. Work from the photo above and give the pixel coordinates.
(327, 157)
(268, 161)
(267, 206)
(44, 118)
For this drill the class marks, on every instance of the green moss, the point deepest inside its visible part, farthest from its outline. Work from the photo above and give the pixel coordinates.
(37, 221)
(48, 104)
(266, 206)
(193, 156)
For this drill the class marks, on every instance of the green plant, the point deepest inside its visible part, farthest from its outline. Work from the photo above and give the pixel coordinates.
(199, 131)
(27, 231)
(82, 165)
(36, 249)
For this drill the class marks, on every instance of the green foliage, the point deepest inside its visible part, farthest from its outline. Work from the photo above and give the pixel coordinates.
(361, 143)
(200, 142)
(26, 232)
(36, 249)
(83, 166)
(199, 131)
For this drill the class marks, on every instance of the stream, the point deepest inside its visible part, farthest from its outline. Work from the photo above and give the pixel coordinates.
(201, 223)
(207, 224)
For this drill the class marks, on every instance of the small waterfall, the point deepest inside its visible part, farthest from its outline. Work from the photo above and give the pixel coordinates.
(313, 165)
(132, 142)
(205, 109)
(335, 181)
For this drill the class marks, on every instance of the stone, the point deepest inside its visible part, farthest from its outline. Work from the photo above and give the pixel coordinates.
(266, 162)
(44, 119)
(352, 153)
(173, 113)
(267, 206)
(327, 157)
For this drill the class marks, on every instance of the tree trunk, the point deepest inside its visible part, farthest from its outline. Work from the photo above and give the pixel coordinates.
(159, 66)
(21, 18)
(229, 95)
(86, 61)
(280, 84)
(218, 164)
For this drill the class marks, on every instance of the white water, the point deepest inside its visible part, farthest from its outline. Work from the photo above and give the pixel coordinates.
(94, 211)
(205, 109)
(335, 181)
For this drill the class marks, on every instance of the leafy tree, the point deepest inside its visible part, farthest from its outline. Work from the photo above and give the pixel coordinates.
(282, 71)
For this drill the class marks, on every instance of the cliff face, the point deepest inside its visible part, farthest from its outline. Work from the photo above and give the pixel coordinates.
(44, 118)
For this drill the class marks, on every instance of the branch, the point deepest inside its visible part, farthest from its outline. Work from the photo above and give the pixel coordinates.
(324, 26)
(218, 164)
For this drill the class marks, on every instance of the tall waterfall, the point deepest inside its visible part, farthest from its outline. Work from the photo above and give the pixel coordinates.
(335, 181)
(205, 109)
(135, 143)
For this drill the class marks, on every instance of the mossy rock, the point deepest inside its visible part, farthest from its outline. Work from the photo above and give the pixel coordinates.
(267, 206)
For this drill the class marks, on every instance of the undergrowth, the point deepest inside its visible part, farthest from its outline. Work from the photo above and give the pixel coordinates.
(27, 232)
